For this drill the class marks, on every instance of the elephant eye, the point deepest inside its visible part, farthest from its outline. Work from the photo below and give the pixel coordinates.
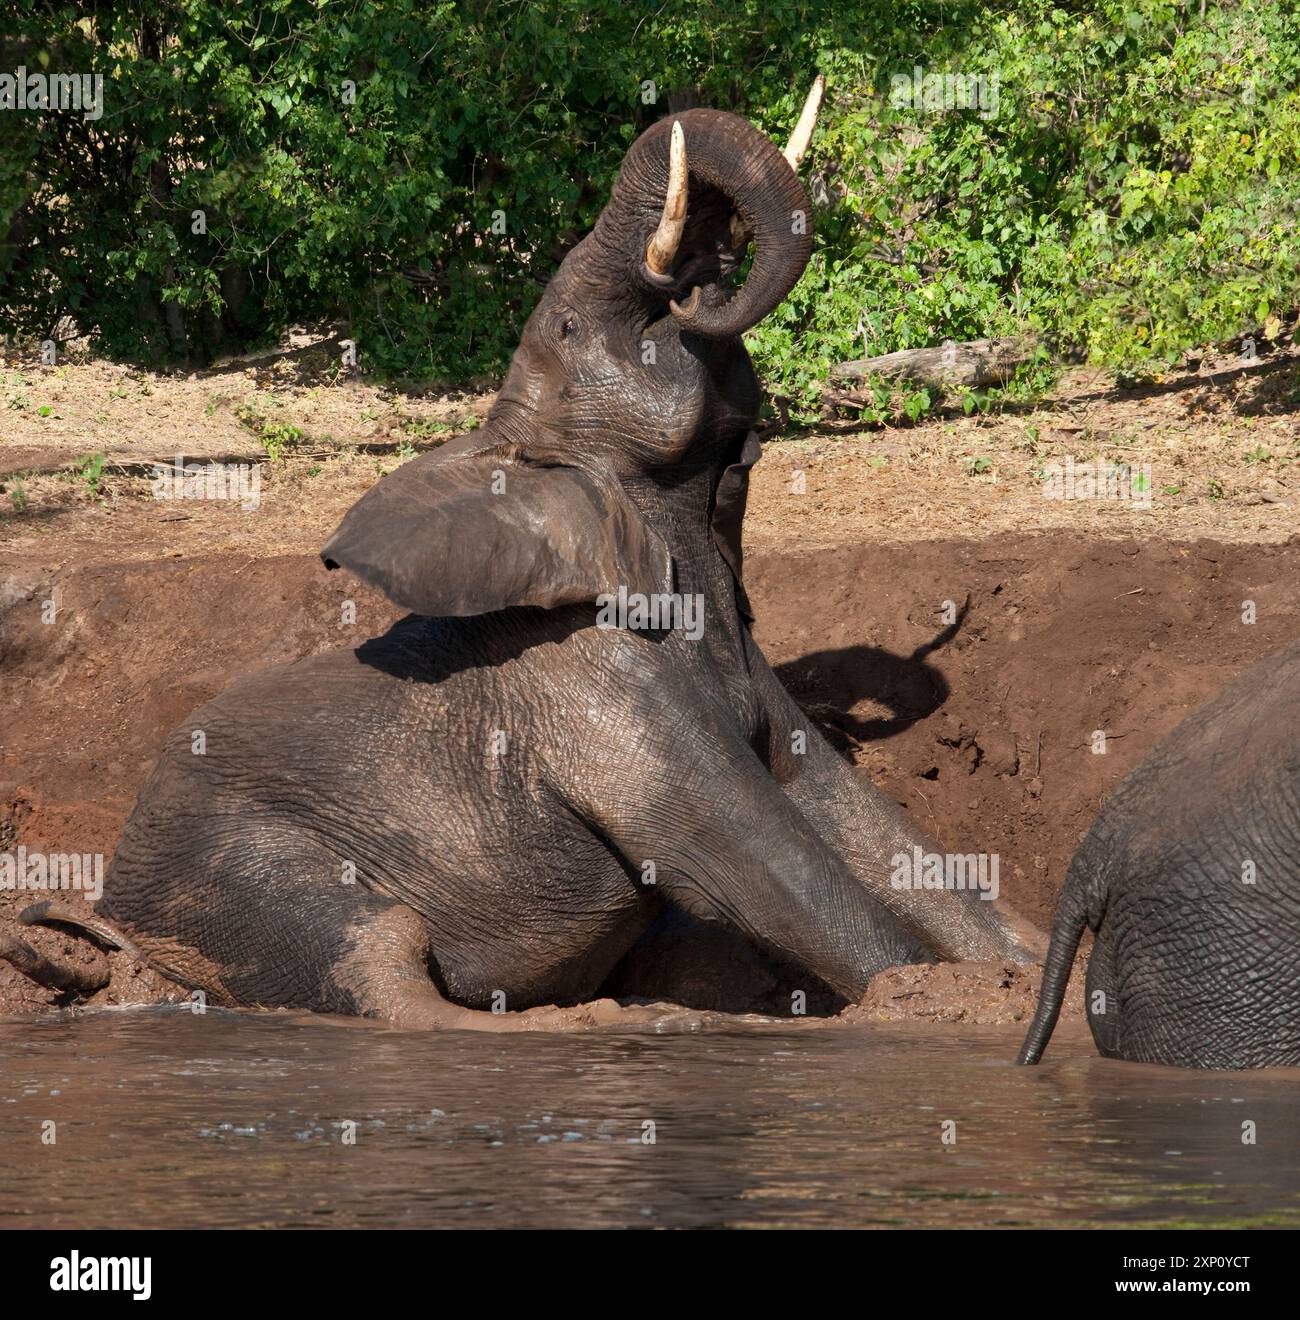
(567, 327)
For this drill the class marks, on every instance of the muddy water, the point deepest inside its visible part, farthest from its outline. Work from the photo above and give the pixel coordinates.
(164, 1118)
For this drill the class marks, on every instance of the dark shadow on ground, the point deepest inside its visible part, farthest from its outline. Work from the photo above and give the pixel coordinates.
(829, 684)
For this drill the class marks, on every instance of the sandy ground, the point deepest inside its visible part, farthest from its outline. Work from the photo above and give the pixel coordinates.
(1218, 449)
(1119, 614)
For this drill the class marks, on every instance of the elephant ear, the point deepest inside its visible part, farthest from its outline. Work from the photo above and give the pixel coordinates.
(729, 512)
(457, 533)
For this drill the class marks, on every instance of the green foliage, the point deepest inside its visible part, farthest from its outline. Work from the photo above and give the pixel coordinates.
(277, 438)
(89, 469)
(1134, 194)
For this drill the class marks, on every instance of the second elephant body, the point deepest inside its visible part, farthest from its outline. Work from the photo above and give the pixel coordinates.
(1190, 880)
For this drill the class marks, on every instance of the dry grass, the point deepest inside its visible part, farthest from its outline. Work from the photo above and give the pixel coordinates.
(1222, 445)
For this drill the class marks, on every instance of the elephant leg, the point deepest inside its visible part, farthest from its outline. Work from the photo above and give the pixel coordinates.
(277, 928)
(869, 831)
(273, 925)
(719, 838)
(385, 975)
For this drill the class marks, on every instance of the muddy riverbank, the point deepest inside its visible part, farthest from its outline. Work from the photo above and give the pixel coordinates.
(960, 636)
(983, 729)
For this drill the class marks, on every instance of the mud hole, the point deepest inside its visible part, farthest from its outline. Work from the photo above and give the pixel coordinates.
(984, 729)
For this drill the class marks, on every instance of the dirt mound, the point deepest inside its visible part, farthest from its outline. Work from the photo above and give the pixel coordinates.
(977, 993)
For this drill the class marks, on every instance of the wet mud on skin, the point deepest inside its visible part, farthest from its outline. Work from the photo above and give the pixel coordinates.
(169, 1119)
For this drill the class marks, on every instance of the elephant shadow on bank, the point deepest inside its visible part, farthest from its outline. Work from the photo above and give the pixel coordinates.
(830, 684)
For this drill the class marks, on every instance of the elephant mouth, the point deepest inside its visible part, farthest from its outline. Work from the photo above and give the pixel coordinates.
(693, 271)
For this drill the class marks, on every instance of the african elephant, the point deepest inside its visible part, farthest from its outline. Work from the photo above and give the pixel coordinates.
(484, 808)
(1190, 880)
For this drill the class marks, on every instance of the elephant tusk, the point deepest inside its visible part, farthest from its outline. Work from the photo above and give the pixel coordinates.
(663, 245)
(800, 140)
(795, 150)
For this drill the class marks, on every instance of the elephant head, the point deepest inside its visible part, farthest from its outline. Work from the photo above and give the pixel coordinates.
(631, 368)
(634, 351)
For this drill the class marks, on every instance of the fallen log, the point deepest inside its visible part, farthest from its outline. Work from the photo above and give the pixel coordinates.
(973, 365)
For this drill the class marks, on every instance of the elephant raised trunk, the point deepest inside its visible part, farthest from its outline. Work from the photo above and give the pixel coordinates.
(655, 219)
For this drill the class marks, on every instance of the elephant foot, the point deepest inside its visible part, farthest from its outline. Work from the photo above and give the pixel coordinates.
(1030, 943)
